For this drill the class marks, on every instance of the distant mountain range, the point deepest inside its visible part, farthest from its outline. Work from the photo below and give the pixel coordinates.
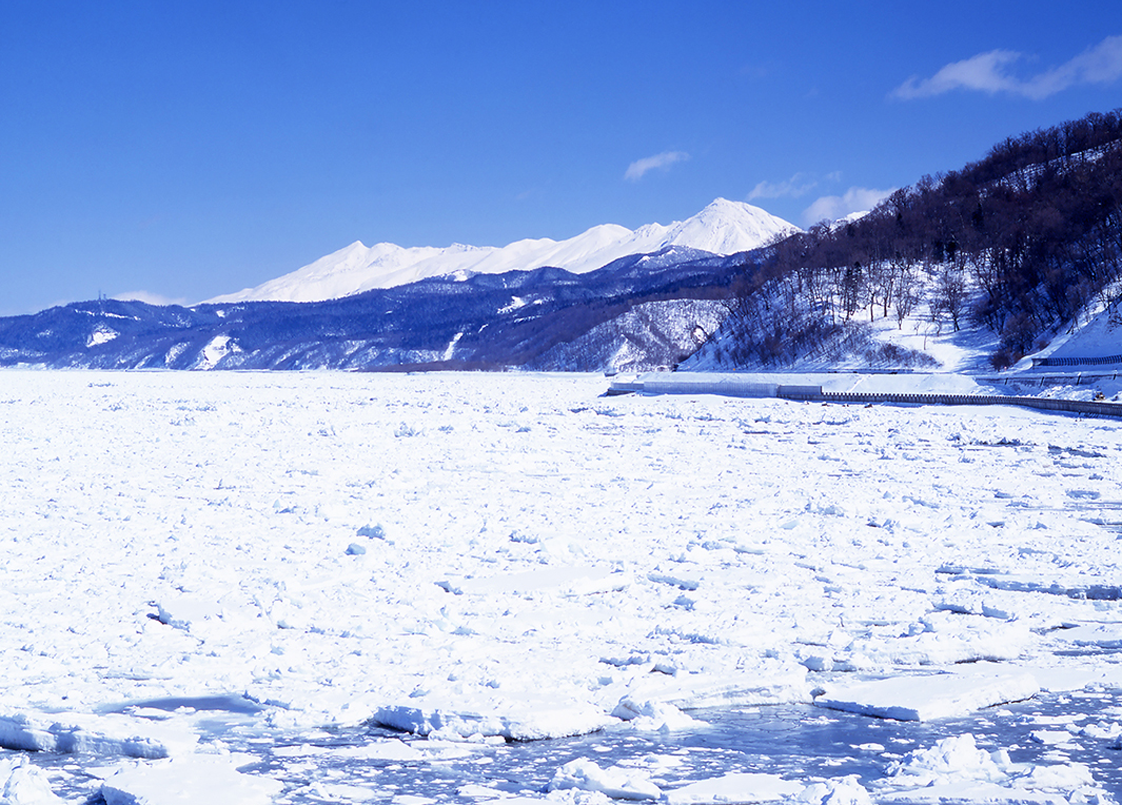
(610, 298)
(637, 312)
(1024, 243)
(722, 228)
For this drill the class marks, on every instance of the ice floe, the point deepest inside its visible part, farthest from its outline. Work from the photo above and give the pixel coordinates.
(615, 783)
(482, 558)
(523, 719)
(206, 778)
(738, 787)
(921, 698)
(73, 733)
(955, 770)
(23, 784)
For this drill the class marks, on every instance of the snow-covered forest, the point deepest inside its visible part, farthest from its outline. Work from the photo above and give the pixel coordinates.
(1020, 244)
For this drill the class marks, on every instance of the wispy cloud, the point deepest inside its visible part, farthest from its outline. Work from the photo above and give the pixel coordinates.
(798, 185)
(991, 73)
(855, 199)
(661, 161)
(984, 72)
(148, 297)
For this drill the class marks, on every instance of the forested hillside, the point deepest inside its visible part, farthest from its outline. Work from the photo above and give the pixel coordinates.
(1019, 242)
(637, 312)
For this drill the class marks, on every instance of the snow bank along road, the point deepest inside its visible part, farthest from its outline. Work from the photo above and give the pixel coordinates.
(474, 555)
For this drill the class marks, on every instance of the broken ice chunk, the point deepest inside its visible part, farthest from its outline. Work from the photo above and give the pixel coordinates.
(921, 698)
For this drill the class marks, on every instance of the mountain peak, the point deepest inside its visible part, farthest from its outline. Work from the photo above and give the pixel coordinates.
(728, 227)
(721, 201)
(723, 227)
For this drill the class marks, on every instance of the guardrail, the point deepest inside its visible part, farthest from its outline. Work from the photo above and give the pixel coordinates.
(1077, 361)
(1054, 379)
(1086, 407)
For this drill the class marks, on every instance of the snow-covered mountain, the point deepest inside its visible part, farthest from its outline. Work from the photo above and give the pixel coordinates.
(724, 227)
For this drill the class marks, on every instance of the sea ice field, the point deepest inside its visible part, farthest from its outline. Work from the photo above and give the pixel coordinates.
(506, 588)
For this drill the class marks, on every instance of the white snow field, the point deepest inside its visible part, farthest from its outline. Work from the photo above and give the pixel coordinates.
(194, 563)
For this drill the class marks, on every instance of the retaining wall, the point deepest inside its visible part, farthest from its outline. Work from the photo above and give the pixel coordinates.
(815, 394)
(702, 386)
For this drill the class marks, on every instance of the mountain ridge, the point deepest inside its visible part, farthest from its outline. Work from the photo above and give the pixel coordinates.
(722, 228)
(545, 318)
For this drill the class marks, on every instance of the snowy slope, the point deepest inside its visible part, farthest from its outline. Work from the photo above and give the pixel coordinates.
(724, 227)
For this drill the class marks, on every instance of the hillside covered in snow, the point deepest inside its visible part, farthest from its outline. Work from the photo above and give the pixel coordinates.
(637, 312)
(722, 228)
(1015, 251)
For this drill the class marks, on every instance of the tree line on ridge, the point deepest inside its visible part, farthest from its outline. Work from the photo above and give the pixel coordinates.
(1019, 242)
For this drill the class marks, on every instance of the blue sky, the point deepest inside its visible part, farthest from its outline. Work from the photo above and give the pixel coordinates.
(183, 150)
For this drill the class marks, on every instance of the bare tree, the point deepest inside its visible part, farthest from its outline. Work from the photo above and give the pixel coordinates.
(951, 294)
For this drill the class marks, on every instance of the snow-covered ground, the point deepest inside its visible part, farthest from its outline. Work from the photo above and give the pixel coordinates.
(484, 557)
(1097, 334)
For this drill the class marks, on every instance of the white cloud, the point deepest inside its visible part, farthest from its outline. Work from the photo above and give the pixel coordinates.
(989, 72)
(661, 161)
(855, 199)
(148, 298)
(1101, 64)
(798, 185)
(984, 72)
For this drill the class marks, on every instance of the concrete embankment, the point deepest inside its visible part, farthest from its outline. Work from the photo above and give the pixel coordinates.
(753, 386)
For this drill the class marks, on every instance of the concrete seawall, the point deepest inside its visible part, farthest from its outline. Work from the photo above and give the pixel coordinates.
(729, 387)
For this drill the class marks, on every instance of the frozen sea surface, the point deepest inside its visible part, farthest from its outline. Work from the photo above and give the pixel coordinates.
(794, 742)
(238, 582)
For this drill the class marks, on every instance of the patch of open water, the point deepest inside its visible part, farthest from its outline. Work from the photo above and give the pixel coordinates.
(794, 741)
